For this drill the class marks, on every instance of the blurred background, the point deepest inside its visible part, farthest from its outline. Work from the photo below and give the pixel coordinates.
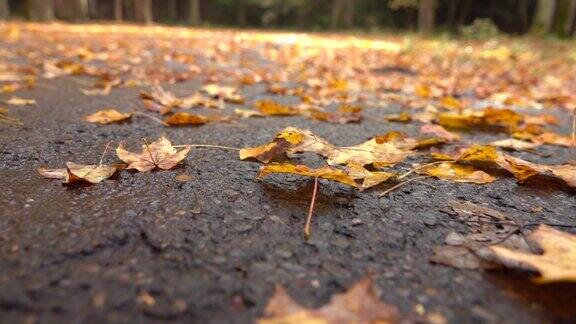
(468, 18)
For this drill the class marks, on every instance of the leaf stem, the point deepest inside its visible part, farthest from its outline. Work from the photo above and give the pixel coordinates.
(158, 120)
(104, 153)
(149, 151)
(401, 184)
(311, 210)
(418, 168)
(210, 146)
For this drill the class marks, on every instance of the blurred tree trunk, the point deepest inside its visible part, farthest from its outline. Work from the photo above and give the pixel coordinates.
(349, 13)
(75, 10)
(426, 16)
(544, 16)
(337, 10)
(570, 24)
(464, 11)
(93, 9)
(172, 10)
(242, 14)
(194, 10)
(118, 9)
(143, 11)
(451, 14)
(40, 10)
(4, 9)
(524, 15)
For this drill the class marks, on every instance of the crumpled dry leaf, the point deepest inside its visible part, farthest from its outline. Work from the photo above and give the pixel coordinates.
(368, 178)
(514, 144)
(345, 114)
(556, 263)
(358, 305)
(246, 113)
(489, 117)
(326, 172)
(200, 100)
(79, 172)
(227, 93)
(403, 117)
(440, 132)
(185, 119)
(384, 150)
(17, 101)
(159, 100)
(457, 173)
(521, 169)
(272, 108)
(107, 116)
(159, 154)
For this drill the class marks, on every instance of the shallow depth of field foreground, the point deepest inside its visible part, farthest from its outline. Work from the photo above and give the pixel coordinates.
(233, 176)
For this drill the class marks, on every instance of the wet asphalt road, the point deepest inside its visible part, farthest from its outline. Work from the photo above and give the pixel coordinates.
(210, 250)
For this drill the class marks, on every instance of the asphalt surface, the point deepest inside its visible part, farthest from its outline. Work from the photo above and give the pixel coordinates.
(210, 250)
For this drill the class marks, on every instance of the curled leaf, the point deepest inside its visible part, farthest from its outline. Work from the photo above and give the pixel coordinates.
(185, 119)
(556, 263)
(107, 116)
(79, 172)
(359, 304)
(457, 173)
(272, 108)
(326, 172)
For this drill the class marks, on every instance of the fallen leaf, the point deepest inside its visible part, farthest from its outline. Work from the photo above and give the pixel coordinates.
(185, 119)
(457, 173)
(79, 172)
(345, 114)
(272, 108)
(514, 144)
(17, 101)
(399, 118)
(384, 150)
(368, 178)
(245, 113)
(107, 116)
(521, 169)
(359, 304)
(227, 93)
(326, 172)
(557, 262)
(159, 154)
(440, 132)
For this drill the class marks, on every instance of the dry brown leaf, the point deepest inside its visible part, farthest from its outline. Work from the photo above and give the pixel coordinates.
(359, 304)
(399, 118)
(489, 117)
(556, 263)
(185, 119)
(384, 150)
(440, 132)
(514, 144)
(159, 154)
(161, 96)
(521, 169)
(246, 113)
(226, 93)
(368, 178)
(79, 172)
(200, 100)
(107, 116)
(17, 101)
(324, 173)
(272, 108)
(457, 173)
